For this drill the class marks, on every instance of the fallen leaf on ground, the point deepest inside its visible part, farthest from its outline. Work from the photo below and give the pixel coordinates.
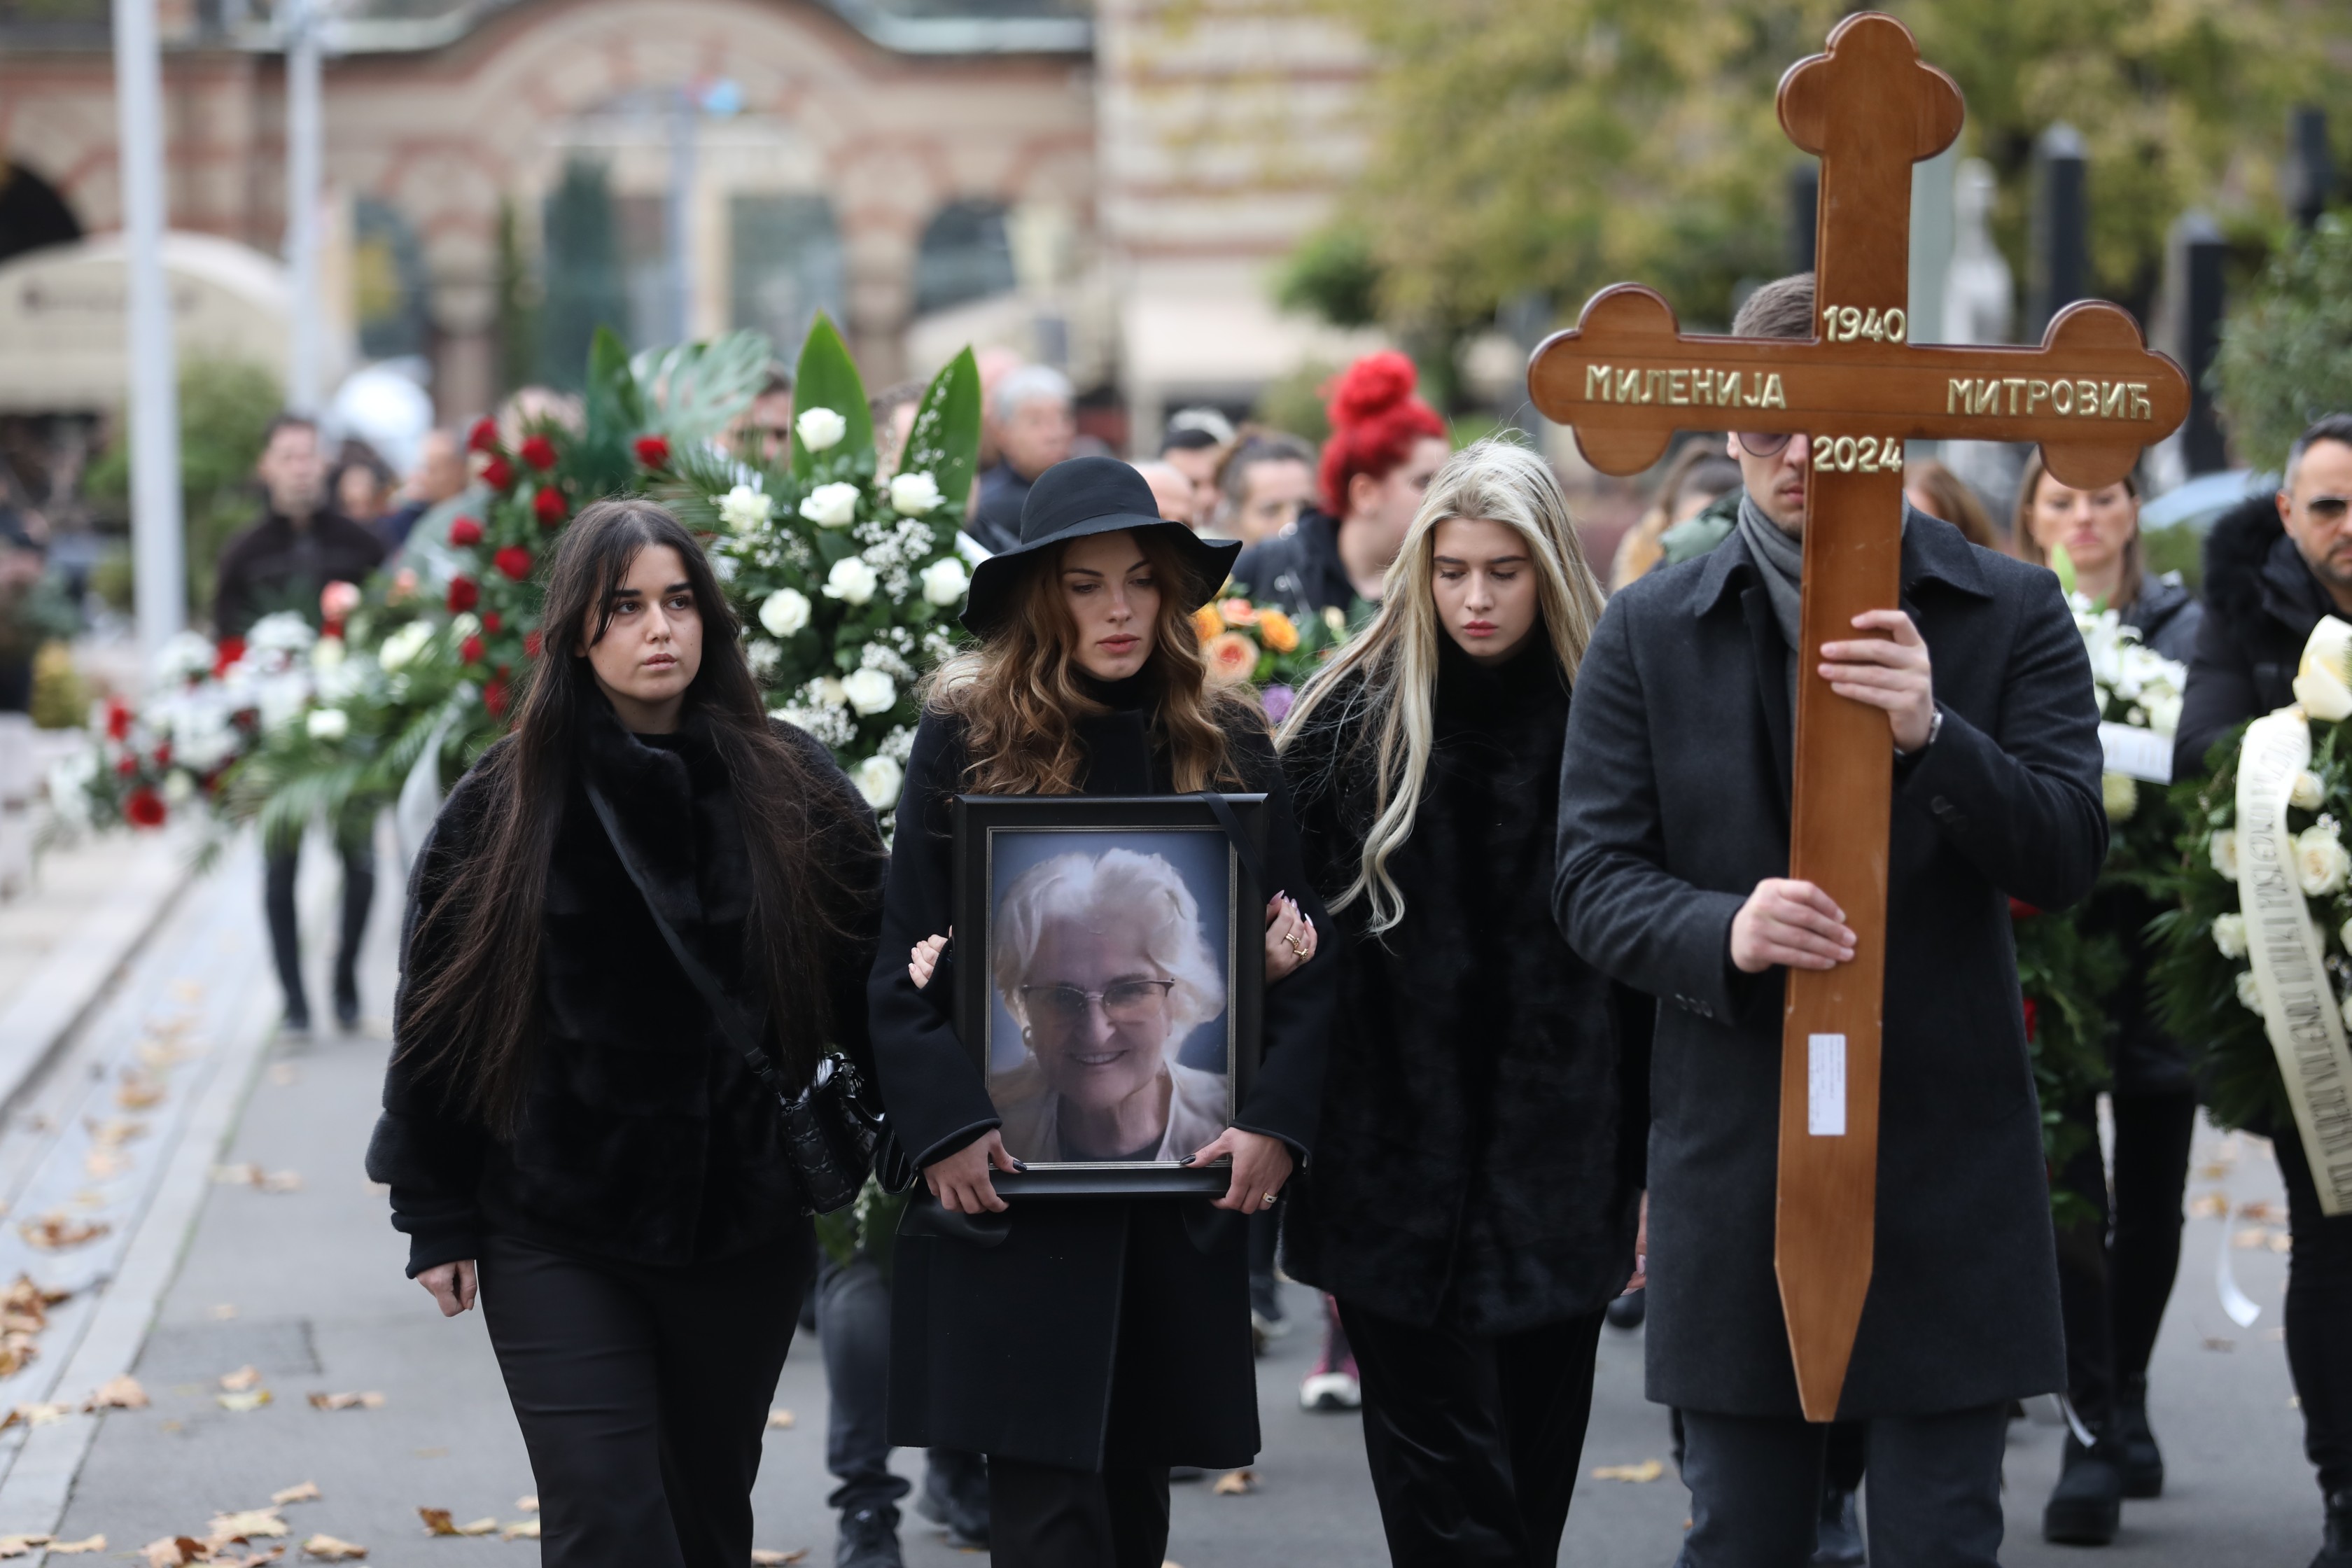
(238, 1403)
(780, 1418)
(223, 1312)
(33, 1415)
(2210, 1206)
(1235, 1483)
(54, 1232)
(282, 1182)
(285, 1075)
(2282, 1242)
(160, 1052)
(90, 1198)
(773, 1559)
(23, 1545)
(328, 1549)
(102, 1164)
(2248, 1239)
(115, 1130)
(171, 1550)
(238, 1176)
(70, 1548)
(528, 1504)
(523, 1530)
(2216, 1342)
(300, 1491)
(119, 1394)
(245, 1525)
(376, 1188)
(138, 1090)
(246, 1559)
(368, 1401)
(1647, 1470)
(438, 1522)
(2257, 1209)
(243, 1377)
(14, 1356)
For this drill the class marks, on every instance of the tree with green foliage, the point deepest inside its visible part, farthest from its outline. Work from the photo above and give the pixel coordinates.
(1560, 146)
(2286, 346)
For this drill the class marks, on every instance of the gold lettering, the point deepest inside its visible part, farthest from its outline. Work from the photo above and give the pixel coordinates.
(1678, 387)
(1988, 396)
(2062, 397)
(2086, 399)
(1597, 383)
(1629, 386)
(2016, 384)
(2111, 407)
(1727, 389)
(1773, 396)
(2140, 408)
(1959, 398)
(1653, 383)
(2037, 393)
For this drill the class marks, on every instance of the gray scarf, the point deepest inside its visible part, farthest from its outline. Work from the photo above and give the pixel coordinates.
(1781, 563)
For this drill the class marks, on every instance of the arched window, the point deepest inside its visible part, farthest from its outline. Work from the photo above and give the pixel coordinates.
(964, 256)
(32, 212)
(784, 266)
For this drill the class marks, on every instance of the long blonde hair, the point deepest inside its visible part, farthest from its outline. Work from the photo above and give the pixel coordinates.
(1019, 694)
(1382, 687)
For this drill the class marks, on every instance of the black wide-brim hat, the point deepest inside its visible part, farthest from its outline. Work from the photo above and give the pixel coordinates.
(1076, 498)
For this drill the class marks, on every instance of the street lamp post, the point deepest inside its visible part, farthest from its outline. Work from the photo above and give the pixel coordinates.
(302, 135)
(157, 549)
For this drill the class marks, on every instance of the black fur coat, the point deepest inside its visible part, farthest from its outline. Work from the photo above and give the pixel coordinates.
(2260, 602)
(1486, 1105)
(644, 1135)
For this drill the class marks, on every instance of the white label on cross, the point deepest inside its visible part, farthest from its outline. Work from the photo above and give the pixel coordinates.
(2136, 753)
(1825, 1085)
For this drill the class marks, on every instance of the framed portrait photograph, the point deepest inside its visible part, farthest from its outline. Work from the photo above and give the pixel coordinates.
(1111, 967)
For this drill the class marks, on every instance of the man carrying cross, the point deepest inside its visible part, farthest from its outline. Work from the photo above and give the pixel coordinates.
(1674, 844)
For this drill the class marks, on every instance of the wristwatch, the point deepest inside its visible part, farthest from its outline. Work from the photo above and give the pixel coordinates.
(1935, 728)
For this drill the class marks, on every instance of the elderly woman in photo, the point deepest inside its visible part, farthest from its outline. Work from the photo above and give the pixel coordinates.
(1102, 963)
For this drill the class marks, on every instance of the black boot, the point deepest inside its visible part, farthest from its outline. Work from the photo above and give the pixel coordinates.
(2338, 1553)
(2136, 1449)
(1627, 1311)
(1838, 1539)
(870, 1539)
(2087, 1503)
(955, 1498)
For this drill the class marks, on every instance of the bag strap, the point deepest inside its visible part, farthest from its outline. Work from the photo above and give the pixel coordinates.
(722, 1006)
(1222, 810)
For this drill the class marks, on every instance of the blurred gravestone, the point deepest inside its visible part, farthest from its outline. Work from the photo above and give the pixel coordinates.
(2188, 328)
(2058, 262)
(2308, 179)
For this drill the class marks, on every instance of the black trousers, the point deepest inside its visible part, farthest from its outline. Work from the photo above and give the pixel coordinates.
(642, 1393)
(1473, 1440)
(852, 1326)
(1756, 1488)
(1042, 1516)
(285, 930)
(2318, 1306)
(2116, 1270)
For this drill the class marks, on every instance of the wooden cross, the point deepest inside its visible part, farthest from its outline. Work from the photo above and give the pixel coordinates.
(1626, 379)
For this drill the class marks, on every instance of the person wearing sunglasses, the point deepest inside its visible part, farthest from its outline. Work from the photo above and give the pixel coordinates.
(2274, 567)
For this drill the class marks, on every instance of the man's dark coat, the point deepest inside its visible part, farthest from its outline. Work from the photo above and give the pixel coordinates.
(1675, 803)
(2260, 602)
(274, 565)
(1071, 1332)
(1300, 568)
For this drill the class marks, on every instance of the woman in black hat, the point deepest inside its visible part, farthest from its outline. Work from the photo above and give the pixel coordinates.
(1085, 1345)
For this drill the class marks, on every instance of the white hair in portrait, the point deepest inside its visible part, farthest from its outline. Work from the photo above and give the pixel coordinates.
(1094, 890)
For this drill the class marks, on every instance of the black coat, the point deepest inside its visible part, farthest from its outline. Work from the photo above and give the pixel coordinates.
(1300, 568)
(2166, 614)
(1071, 1331)
(1675, 803)
(274, 565)
(644, 1135)
(2260, 602)
(1479, 1161)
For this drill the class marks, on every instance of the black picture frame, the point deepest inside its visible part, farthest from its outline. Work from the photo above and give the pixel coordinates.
(981, 824)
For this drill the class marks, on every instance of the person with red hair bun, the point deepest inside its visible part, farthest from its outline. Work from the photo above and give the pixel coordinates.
(1385, 445)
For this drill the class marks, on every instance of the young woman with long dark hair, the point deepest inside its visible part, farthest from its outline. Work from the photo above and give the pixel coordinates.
(1085, 1345)
(565, 1117)
(1473, 1200)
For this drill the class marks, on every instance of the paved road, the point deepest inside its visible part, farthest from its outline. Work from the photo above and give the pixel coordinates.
(305, 1285)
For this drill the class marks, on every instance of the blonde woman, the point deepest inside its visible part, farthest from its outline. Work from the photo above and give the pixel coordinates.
(1474, 1201)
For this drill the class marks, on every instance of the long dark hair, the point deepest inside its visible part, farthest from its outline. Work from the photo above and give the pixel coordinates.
(475, 1013)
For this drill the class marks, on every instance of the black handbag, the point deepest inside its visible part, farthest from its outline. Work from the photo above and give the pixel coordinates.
(836, 1132)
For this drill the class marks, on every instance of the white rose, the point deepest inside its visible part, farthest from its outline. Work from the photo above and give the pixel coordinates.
(179, 786)
(2308, 792)
(945, 580)
(188, 655)
(2229, 935)
(820, 429)
(463, 624)
(2249, 996)
(2323, 681)
(870, 691)
(744, 508)
(2320, 861)
(2224, 852)
(784, 612)
(830, 692)
(878, 779)
(404, 644)
(851, 581)
(328, 654)
(831, 506)
(916, 495)
(328, 724)
(2120, 793)
(2163, 712)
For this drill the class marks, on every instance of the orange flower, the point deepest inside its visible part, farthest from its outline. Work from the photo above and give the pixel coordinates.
(1232, 658)
(1206, 622)
(1238, 612)
(1273, 629)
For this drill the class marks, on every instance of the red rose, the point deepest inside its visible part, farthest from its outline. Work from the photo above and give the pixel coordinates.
(548, 505)
(470, 651)
(225, 652)
(465, 531)
(514, 561)
(492, 622)
(653, 451)
(145, 808)
(117, 717)
(464, 594)
(537, 451)
(2018, 910)
(498, 473)
(163, 755)
(494, 696)
(2032, 1017)
(531, 643)
(484, 436)
(127, 765)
